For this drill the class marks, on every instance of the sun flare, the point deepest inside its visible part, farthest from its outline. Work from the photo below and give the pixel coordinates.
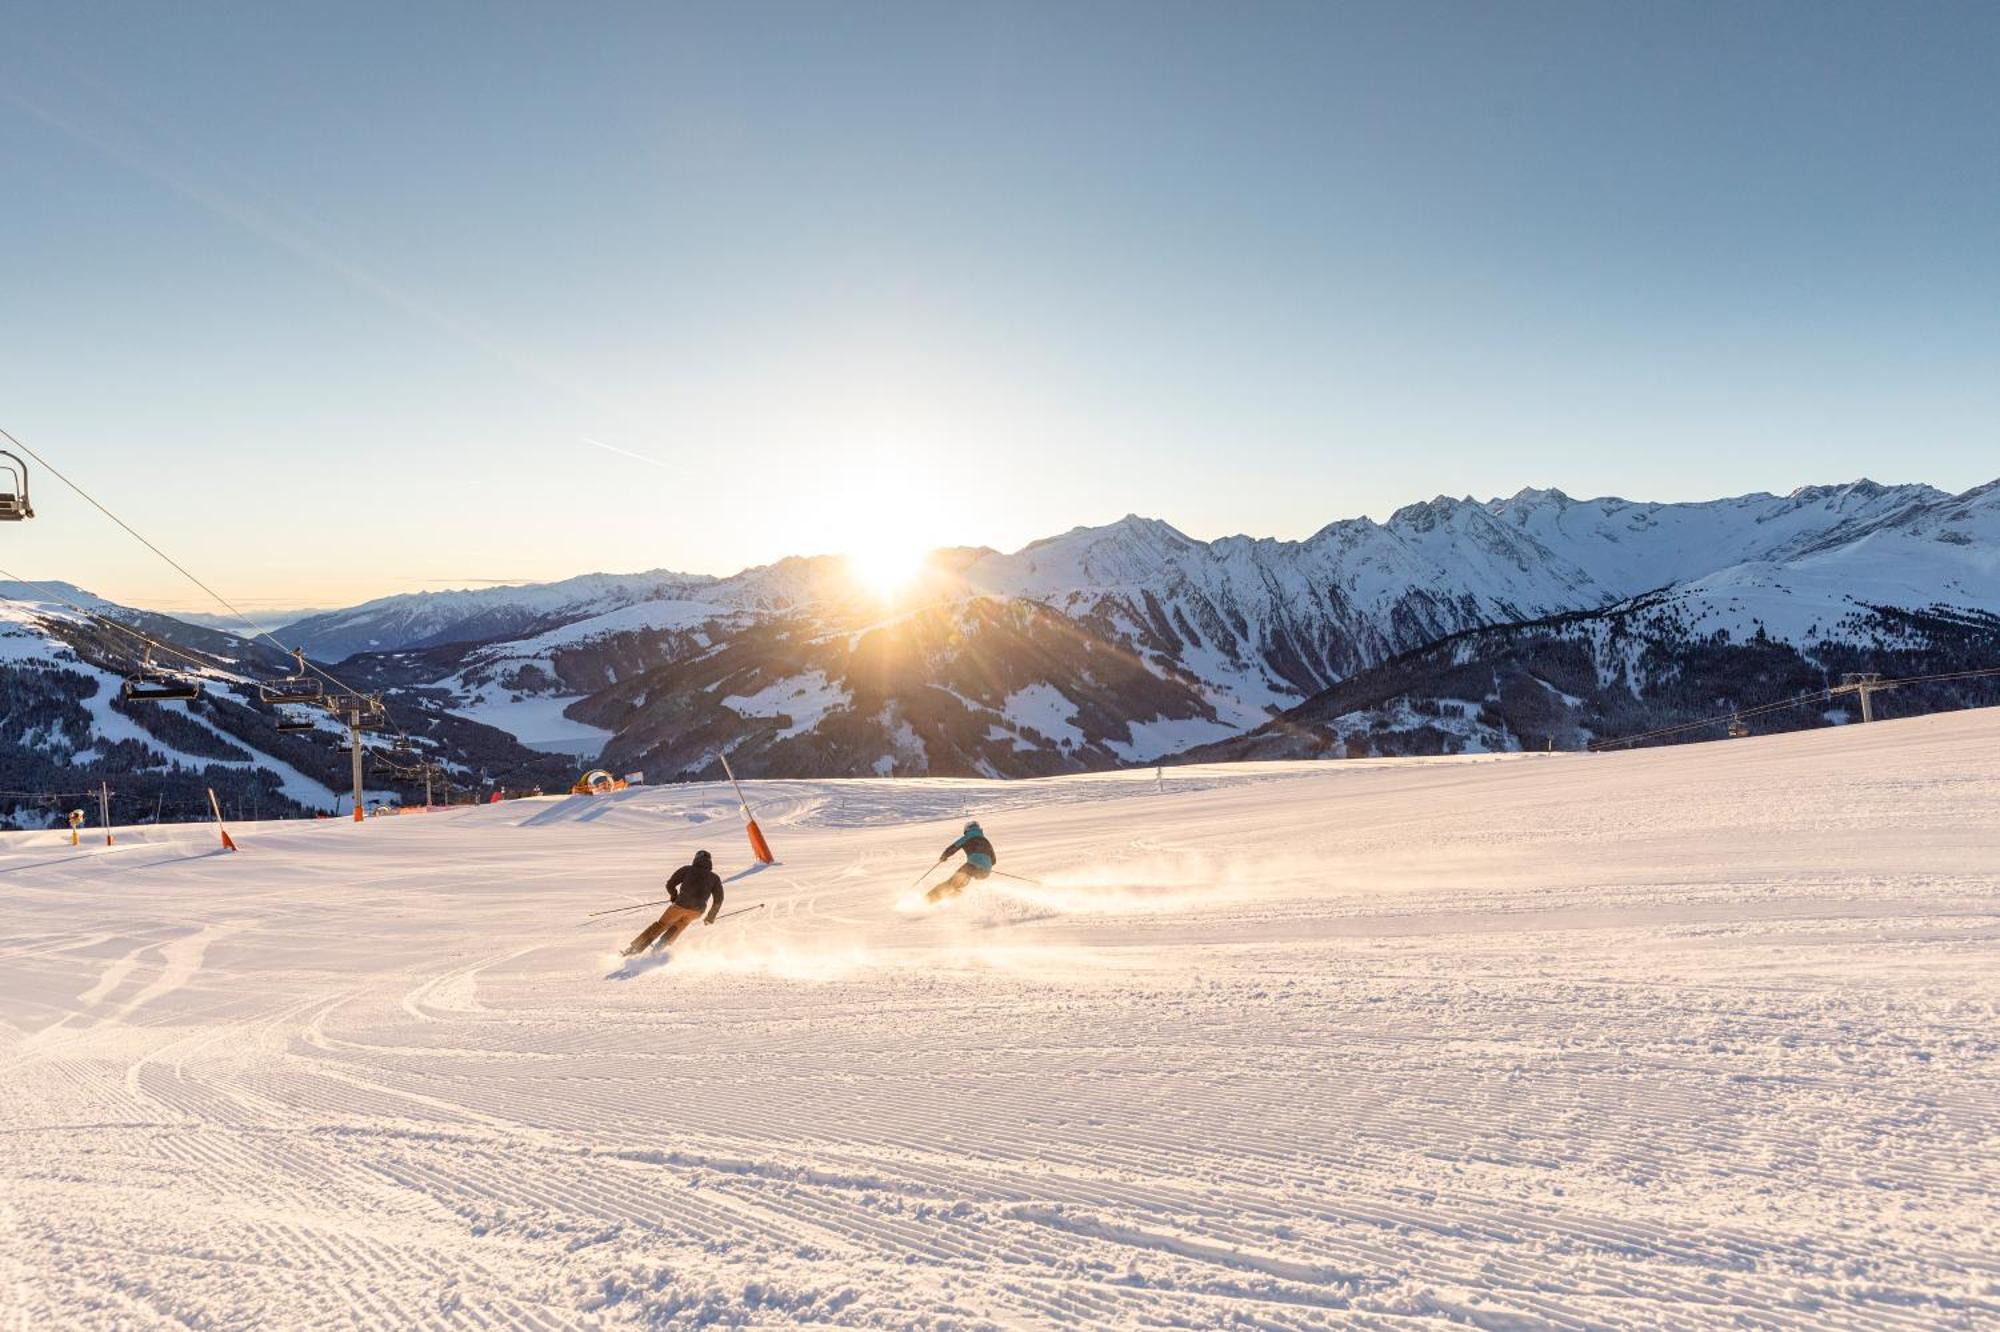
(885, 571)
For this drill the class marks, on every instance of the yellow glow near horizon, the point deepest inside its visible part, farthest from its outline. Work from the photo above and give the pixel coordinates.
(887, 514)
(886, 569)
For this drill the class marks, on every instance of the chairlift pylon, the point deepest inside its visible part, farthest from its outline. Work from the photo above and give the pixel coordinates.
(14, 504)
(154, 685)
(301, 687)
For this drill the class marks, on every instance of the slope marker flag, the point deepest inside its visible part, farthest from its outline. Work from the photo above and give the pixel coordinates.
(216, 805)
(758, 846)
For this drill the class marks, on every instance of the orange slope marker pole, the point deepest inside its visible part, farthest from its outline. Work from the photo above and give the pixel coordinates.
(758, 846)
(216, 805)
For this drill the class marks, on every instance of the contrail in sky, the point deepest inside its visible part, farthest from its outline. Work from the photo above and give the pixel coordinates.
(131, 149)
(625, 453)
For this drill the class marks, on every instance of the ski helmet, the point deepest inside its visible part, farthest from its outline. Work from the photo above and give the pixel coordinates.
(701, 858)
(972, 829)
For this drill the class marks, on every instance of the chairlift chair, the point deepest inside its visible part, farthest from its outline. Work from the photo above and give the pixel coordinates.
(388, 771)
(294, 722)
(14, 504)
(152, 685)
(302, 687)
(363, 711)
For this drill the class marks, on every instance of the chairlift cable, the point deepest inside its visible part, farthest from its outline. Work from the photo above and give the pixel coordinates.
(177, 565)
(207, 664)
(1803, 699)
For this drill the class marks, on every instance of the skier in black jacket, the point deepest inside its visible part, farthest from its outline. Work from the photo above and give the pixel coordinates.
(979, 858)
(693, 888)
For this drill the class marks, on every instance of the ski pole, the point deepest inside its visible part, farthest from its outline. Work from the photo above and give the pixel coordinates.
(925, 875)
(738, 912)
(634, 907)
(1018, 878)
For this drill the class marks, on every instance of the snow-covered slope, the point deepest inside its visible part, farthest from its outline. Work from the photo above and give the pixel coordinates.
(1942, 555)
(65, 729)
(1676, 1039)
(63, 725)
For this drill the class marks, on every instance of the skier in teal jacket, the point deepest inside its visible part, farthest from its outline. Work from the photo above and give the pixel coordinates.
(979, 858)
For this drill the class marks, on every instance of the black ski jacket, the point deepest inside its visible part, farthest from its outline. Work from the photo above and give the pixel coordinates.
(692, 886)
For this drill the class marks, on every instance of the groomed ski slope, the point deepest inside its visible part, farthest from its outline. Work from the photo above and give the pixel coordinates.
(1692, 1037)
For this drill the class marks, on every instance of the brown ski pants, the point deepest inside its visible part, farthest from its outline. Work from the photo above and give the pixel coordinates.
(664, 930)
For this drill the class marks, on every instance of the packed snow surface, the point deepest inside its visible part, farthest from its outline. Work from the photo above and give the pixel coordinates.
(1699, 1037)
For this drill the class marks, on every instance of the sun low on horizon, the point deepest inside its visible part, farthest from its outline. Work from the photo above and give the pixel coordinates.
(886, 569)
(899, 517)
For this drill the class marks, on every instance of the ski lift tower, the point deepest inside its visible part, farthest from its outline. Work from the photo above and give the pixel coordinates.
(362, 712)
(1863, 685)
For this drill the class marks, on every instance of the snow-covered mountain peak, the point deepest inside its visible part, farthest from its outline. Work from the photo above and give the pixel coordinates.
(1258, 622)
(1862, 488)
(1131, 550)
(1425, 515)
(1530, 496)
(1131, 530)
(1204, 638)
(1863, 495)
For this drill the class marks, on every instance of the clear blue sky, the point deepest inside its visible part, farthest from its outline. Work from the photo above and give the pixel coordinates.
(329, 298)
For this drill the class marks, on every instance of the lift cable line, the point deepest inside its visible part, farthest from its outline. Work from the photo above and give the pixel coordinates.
(150, 685)
(1718, 720)
(1856, 685)
(256, 629)
(107, 621)
(361, 712)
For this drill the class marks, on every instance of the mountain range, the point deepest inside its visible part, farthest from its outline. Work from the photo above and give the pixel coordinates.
(1455, 624)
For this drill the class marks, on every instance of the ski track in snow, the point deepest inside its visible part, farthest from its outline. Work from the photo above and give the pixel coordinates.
(1699, 1037)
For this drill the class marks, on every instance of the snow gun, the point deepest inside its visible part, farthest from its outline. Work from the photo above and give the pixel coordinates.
(758, 846)
(214, 804)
